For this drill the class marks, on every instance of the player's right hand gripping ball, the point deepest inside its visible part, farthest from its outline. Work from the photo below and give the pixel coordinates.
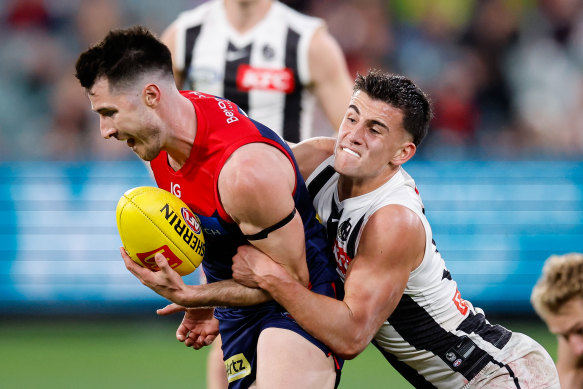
(151, 220)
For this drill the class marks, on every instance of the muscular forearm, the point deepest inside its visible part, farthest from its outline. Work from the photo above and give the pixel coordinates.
(325, 318)
(222, 293)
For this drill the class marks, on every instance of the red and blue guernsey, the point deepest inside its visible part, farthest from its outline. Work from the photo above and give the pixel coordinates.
(221, 129)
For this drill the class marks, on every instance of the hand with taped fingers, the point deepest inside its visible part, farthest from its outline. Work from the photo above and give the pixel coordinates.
(166, 282)
(198, 329)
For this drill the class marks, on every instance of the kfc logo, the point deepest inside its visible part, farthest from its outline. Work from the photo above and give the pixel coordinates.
(249, 78)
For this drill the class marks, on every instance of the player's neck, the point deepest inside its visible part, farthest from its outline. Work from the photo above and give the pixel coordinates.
(349, 187)
(243, 15)
(182, 124)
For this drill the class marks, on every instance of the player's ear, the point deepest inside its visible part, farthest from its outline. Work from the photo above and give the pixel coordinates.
(151, 95)
(405, 153)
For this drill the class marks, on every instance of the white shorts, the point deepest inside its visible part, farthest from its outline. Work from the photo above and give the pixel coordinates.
(524, 364)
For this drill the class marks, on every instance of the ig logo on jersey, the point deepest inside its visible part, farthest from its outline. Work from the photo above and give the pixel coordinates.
(175, 189)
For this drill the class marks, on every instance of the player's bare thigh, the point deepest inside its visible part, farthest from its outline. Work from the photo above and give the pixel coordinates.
(285, 359)
(216, 376)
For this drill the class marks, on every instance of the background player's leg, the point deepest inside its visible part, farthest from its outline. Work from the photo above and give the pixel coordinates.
(285, 359)
(216, 376)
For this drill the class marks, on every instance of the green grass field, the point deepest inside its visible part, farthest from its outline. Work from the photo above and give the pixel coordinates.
(137, 354)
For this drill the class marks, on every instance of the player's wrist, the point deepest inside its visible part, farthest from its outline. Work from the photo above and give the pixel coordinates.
(274, 279)
(189, 297)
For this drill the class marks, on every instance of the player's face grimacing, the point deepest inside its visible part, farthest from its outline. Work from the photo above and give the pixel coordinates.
(123, 116)
(371, 136)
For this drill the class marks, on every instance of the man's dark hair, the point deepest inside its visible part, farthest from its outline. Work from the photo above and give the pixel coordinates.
(400, 92)
(122, 56)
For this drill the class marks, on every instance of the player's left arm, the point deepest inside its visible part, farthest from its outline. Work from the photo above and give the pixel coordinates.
(391, 246)
(332, 84)
(256, 188)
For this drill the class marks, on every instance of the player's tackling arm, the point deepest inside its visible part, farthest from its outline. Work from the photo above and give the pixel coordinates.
(374, 283)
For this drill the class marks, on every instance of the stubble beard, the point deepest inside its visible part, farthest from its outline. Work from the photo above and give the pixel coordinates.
(152, 149)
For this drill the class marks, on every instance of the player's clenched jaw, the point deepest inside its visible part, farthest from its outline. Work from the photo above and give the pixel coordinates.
(124, 116)
(370, 141)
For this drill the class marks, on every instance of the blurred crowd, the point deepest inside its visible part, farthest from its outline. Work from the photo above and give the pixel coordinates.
(505, 76)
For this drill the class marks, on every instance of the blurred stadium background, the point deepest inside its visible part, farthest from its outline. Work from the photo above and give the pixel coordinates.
(501, 175)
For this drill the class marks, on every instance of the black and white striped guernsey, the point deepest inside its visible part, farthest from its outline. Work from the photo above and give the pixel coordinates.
(265, 70)
(434, 338)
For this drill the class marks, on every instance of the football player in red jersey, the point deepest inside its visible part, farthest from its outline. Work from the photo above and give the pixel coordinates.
(243, 182)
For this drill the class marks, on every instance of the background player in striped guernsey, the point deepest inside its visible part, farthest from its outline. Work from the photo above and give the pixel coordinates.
(272, 61)
(398, 291)
(242, 180)
(558, 299)
(266, 57)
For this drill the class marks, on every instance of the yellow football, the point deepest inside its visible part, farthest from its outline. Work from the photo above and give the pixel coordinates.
(151, 220)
